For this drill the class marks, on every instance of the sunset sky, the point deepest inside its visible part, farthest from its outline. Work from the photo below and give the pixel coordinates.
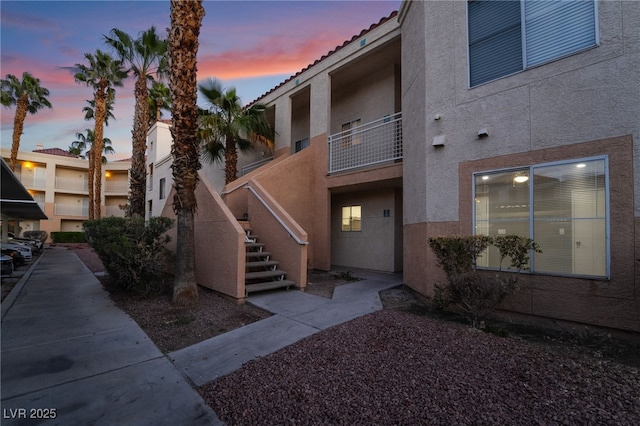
(251, 45)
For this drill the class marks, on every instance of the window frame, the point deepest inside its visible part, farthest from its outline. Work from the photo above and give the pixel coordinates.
(532, 202)
(162, 188)
(350, 207)
(523, 41)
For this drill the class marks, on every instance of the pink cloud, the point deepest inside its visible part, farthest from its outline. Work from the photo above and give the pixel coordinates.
(274, 55)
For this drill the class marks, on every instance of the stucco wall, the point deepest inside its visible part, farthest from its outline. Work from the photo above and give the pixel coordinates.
(298, 184)
(374, 246)
(219, 241)
(367, 99)
(584, 104)
(587, 96)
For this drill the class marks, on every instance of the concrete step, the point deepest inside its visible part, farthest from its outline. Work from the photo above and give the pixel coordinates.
(253, 246)
(264, 274)
(269, 285)
(262, 264)
(255, 254)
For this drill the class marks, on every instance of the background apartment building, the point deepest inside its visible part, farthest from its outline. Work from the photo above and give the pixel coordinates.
(58, 182)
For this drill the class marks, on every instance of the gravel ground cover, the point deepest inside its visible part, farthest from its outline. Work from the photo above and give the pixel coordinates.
(398, 368)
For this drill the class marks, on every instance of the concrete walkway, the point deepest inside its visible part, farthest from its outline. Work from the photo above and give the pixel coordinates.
(68, 351)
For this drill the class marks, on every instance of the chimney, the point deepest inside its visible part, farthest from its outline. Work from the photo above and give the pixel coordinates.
(39, 147)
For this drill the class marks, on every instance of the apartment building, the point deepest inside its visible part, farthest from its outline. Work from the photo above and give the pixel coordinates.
(58, 182)
(523, 118)
(448, 118)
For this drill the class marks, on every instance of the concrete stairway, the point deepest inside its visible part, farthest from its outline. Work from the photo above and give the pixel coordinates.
(262, 272)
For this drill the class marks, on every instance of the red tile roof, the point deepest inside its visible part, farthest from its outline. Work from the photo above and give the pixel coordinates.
(346, 42)
(55, 151)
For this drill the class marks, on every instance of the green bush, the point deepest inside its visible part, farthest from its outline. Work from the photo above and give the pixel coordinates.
(68, 237)
(478, 294)
(133, 251)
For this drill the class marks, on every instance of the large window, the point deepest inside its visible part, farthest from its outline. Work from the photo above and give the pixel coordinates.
(562, 206)
(509, 36)
(351, 218)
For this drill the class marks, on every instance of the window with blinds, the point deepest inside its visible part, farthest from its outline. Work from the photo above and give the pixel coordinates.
(509, 36)
(561, 206)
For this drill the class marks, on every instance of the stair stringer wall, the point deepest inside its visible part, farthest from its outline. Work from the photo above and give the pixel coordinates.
(289, 253)
(299, 185)
(219, 241)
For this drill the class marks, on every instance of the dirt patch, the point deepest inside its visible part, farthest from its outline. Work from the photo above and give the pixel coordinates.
(172, 328)
(322, 283)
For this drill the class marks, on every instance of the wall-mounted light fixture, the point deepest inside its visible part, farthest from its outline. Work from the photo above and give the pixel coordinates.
(439, 140)
(483, 133)
(437, 117)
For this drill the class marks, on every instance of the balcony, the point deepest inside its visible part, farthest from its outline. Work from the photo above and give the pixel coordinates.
(372, 143)
(72, 184)
(117, 187)
(63, 209)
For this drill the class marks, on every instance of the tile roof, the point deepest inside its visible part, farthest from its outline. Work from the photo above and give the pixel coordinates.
(346, 42)
(55, 151)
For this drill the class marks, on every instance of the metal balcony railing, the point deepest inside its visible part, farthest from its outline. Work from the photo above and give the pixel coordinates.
(247, 168)
(71, 210)
(117, 186)
(72, 184)
(372, 143)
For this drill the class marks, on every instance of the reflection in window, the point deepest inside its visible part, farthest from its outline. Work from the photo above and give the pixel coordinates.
(352, 136)
(562, 206)
(351, 218)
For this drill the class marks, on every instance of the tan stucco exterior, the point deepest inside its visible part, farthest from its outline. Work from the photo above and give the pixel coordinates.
(583, 105)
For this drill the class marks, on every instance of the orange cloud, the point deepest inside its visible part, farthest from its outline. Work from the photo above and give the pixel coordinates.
(274, 55)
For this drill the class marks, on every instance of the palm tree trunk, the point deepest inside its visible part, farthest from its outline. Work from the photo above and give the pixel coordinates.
(98, 145)
(138, 163)
(92, 172)
(186, 19)
(231, 160)
(18, 126)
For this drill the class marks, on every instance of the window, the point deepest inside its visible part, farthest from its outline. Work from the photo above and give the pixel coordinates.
(150, 180)
(161, 190)
(351, 218)
(351, 138)
(561, 206)
(301, 144)
(509, 36)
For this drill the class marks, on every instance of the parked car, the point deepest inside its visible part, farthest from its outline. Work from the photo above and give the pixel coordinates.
(36, 245)
(15, 255)
(6, 264)
(23, 249)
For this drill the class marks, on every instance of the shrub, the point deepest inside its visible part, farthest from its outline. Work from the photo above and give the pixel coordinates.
(133, 252)
(478, 294)
(36, 235)
(68, 237)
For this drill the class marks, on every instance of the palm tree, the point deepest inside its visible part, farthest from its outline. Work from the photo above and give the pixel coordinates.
(82, 145)
(145, 56)
(227, 126)
(186, 19)
(89, 111)
(28, 96)
(102, 75)
(159, 99)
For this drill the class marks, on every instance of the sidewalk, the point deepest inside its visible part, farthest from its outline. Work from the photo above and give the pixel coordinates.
(67, 350)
